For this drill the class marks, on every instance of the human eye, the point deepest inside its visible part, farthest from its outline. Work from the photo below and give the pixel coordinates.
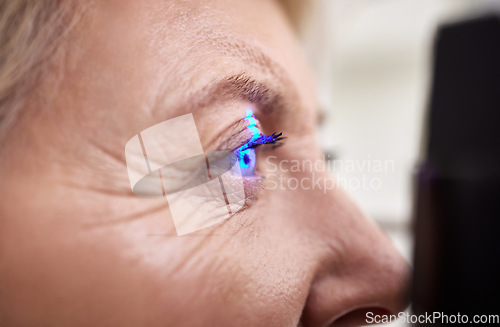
(219, 182)
(246, 155)
(236, 158)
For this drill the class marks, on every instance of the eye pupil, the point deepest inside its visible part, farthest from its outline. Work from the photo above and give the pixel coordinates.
(246, 158)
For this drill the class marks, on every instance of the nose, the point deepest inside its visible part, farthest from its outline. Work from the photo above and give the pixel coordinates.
(359, 272)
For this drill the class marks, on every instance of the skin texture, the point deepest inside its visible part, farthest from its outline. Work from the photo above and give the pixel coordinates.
(77, 248)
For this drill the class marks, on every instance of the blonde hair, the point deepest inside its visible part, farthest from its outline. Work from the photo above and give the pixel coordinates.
(30, 33)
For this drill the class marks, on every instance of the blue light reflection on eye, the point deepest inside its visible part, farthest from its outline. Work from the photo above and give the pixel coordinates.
(247, 155)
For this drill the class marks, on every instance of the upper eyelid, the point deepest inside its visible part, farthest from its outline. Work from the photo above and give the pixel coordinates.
(238, 135)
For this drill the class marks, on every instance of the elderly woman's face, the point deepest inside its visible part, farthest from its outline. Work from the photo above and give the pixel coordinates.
(78, 248)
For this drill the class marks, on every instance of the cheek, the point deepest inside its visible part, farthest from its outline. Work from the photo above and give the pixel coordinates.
(253, 278)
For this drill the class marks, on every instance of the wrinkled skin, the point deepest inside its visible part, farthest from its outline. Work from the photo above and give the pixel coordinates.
(77, 248)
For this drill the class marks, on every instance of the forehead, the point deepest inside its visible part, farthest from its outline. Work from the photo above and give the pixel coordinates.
(185, 42)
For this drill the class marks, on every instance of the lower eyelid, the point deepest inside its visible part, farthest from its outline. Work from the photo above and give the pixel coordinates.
(252, 186)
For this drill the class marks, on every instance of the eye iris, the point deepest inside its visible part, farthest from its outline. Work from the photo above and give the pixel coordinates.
(247, 161)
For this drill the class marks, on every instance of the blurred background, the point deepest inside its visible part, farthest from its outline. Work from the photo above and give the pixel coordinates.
(372, 60)
(373, 64)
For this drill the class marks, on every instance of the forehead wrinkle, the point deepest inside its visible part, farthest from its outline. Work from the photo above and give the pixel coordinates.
(245, 51)
(204, 27)
(251, 53)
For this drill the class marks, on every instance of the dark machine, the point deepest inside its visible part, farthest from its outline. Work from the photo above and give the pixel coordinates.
(457, 198)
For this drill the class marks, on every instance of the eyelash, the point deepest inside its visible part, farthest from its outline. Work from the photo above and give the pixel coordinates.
(274, 139)
(258, 138)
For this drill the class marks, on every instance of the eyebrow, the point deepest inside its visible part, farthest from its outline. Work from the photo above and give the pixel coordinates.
(274, 97)
(241, 87)
(273, 94)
